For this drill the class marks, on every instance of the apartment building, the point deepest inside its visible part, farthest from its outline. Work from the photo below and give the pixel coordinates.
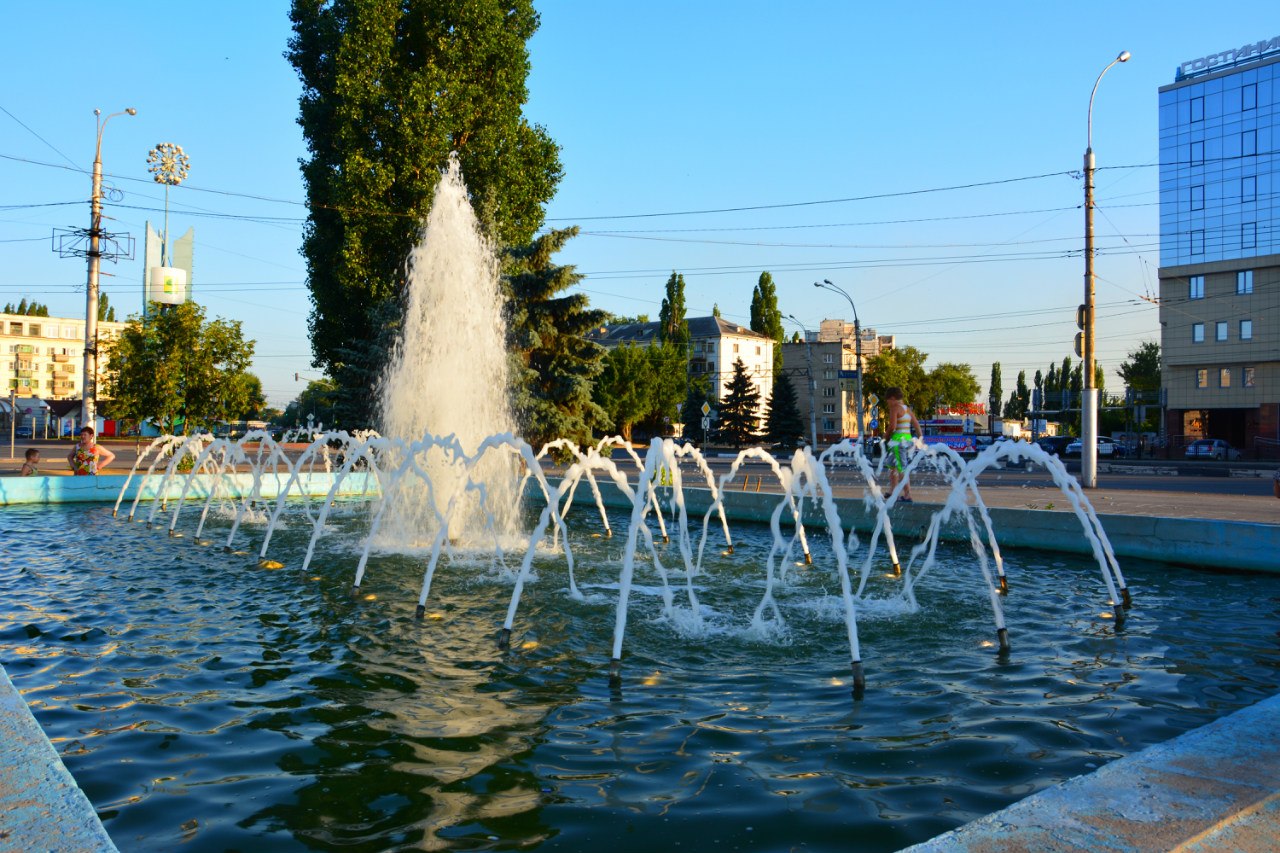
(43, 356)
(823, 371)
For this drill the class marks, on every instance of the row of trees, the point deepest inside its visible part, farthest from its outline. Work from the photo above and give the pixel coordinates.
(38, 309)
(1061, 386)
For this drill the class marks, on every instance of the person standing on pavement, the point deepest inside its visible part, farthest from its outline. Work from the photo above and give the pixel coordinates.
(87, 458)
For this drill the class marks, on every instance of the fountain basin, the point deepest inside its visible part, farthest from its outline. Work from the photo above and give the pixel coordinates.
(202, 701)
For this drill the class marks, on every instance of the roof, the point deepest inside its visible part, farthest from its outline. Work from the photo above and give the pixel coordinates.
(647, 333)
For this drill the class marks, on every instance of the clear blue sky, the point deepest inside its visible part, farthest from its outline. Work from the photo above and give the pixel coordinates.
(663, 108)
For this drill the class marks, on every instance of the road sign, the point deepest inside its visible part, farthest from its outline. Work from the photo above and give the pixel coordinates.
(706, 408)
(706, 423)
(875, 424)
(847, 374)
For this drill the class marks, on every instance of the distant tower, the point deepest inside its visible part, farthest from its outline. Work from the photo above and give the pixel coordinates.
(167, 282)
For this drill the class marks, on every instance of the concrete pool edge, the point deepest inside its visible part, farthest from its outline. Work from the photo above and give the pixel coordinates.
(105, 488)
(41, 806)
(1213, 788)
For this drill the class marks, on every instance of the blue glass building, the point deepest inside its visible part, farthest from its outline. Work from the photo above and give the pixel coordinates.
(1220, 248)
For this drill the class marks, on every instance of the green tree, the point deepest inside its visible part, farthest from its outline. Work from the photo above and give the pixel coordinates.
(555, 364)
(691, 413)
(669, 367)
(995, 392)
(673, 328)
(1019, 400)
(784, 424)
(178, 368)
(624, 390)
(318, 400)
(1141, 371)
(766, 318)
(389, 89)
(740, 408)
(948, 384)
(105, 311)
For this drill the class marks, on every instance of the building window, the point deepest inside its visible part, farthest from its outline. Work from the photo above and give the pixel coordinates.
(1197, 242)
(699, 367)
(1249, 189)
(1197, 109)
(735, 347)
(1246, 377)
(1197, 154)
(1244, 282)
(1246, 330)
(1197, 286)
(1248, 143)
(1249, 97)
(34, 331)
(1248, 235)
(828, 425)
(1224, 377)
(829, 373)
(711, 346)
(757, 349)
(1197, 197)
(828, 408)
(1221, 331)
(1202, 378)
(829, 391)
(828, 358)
(1197, 333)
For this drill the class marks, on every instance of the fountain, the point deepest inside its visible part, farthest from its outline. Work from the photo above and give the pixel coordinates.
(286, 691)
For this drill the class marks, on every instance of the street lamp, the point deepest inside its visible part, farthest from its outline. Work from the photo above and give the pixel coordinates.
(1089, 405)
(826, 284)
(813, 382)
(89, 385)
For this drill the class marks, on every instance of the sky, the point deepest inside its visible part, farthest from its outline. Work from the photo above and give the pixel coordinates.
(925, 157)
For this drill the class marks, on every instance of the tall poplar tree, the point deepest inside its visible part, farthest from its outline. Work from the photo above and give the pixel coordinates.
(766, 318)
(995, 393)
(673, 328)
(389, 89)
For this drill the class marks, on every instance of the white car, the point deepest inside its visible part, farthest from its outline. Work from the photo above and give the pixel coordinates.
(1106, 447)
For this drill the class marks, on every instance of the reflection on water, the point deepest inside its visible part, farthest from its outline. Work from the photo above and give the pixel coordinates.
(200, 700)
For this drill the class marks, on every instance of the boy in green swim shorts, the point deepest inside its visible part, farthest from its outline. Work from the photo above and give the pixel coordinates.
(904, 424)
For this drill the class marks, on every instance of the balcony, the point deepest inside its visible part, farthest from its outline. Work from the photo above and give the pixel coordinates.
(59, 358)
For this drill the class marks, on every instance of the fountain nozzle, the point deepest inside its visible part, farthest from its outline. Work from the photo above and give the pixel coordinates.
(615, 672)
(1003, 635)
(420, 611)
(1004, 585)
(729, 550)
(1125, 600)
(504, 639)
(355, 592)
(859, 680)
(897, 568)
(808, 558)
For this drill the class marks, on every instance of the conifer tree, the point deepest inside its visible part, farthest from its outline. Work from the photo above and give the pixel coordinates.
(740, 408)
(555, 364)
(784, 425)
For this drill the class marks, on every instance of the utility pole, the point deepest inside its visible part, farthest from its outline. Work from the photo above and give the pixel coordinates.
(89, 382)
(1089, 403)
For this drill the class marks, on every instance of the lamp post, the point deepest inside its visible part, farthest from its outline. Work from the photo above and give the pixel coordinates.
(813, 382)
(826, 284)
(89, 384)
(1089, 404)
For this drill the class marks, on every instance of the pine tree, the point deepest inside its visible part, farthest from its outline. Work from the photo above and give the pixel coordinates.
(691, 412)
(766, 318)
(556, 365)
(22, 306)
(739, 410)
(673, 328)
(784, 425)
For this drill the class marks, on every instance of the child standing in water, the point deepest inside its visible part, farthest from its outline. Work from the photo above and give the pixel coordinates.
(88, 457)
(904, 426)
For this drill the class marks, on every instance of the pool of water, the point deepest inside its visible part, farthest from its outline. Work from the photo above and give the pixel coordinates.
(204, 702)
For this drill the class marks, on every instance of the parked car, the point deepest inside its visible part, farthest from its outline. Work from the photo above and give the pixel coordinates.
(1211, 448)
(1106, 447)
(22, 432)
(1054, 444)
